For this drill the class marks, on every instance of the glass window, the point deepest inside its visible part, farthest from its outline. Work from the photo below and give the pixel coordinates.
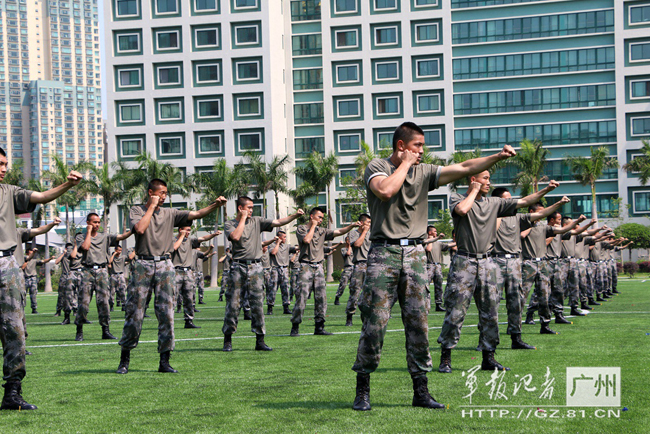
(426, 3)
(387, 71)
(310, 113)
(209, 108)
(305, 10)
(428, 103)
(169, 75)
(346, 176)
(207, 73)
(303, 45)
(248, 71)
(169, 111)
(640, 88)
(166, 6)
(209, 144)
(248, 106)
(640, 126)
(387, 105)
(245, 4)
(129, 77)
(205, 5)
(130, 42)
(426, 32)
(130, 113)
(307, 79)
(348, 108)
(131, 147)
(249, 141)
(639, 52)
(206, 37)
(641, 201)
(384, 140)
(167, 40)
(345, 6)
(171, 145)
(349, 142)
(639, 14)
(385, 4)
(347, 73)
(386, 35)
(346, 39)
(307, 145)
(427, 68)
(246, 35)
(126, 8)
(432, 138)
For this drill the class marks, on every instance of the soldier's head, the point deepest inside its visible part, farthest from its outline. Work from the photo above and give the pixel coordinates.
(158, 187)
(94, 221)
(566, 220)
(365, 219)
(68, 246)
(409, 136)
(118, 249)
(245, 206)
(501, 192)
(282, 236)
(264, 249)
(554, 219)
(4, 164)
(185, 230)
(432, 231)
(536, 207)
(482, 178)
(317, 214)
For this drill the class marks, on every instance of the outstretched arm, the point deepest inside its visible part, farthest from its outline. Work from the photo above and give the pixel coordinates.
(465, 205)
(46, 228)
(124, 236)
(288, 219)
(208, 237)
(548, 210)
(197, 215)
(48, 196)
(471, 167)
(581, 229)
(535, 197)
(345, 230)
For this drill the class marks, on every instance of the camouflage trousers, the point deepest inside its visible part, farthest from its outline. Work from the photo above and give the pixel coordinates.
(118, 287)
(556, 286)
(31, 286)
(246, 283)
(71, 289)
(586, 290)
(614, 272)
(94, 280)
(346, 273)
(570, 275)
(199, 284)
(509, 283)
(295, 271)
(604, 272)
(356, 286)
(267, 282)
(597, 277)
(471, 277)
(185, 291)
(537, 273)
(225, 281)
(157, 277)
(279, 277)
(311, 278)
(394, 273)
(12, 317)
(434, 271)
(63, 281)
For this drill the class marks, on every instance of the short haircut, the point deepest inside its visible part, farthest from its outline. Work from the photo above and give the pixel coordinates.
(535, 206)
(68, 245)
(243, 200)
(2, 152)
(499, 191)
(156, 183)
(552, 216)
(405, 133)
(90, 215)
(565, 219)
(315, 210)
(364, 217)
(118, 247)
(281, 232)
(430, 227)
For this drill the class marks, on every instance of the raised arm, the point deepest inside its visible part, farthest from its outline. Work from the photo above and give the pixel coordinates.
(124, 236)
(362, 237)
(74, 252)
(179, 240)
(288, 219)
(141, 226)
(48, 196)
(548, 210)
(110, 260)
(581, 229)
(197, 215)
(463, 207)
(385, 187)
(570, 226)
(467, 168)
(345, 230)
(88, 240)
(276, 249)
(268, 242)
(208, 237)
(535, 197)
(46, 228)
(59, 259)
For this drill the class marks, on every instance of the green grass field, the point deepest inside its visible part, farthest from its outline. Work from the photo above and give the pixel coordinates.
(306, 384)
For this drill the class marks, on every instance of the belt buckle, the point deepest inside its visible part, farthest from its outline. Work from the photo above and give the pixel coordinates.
(508, 256)
(480, 255)
(156, 258)
(95, 267)
(403, 242)
(2, 254)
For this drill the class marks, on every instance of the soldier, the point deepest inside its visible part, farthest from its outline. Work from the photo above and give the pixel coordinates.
(153, 271)
(434, 249)
(595, 251)
(266, 269)
(295, 271)
(246, 270)
(31, 277)
(311, 242)
(226, 260)
(617, 248)
(184, 261)
(585, 277)
(346, 273)
(64, 283)
(116, 267)
(93, 247)
(280, 252)
(15, 200)
(199, 257)
(507, 256)
(360, 242)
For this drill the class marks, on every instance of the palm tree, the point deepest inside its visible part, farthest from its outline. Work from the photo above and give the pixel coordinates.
(15, 174)
(640, 164)
(531, 160)
(587, 170)
(108, 181)
(277, 178)
(149, 168)
(459, 157)
(317, 175)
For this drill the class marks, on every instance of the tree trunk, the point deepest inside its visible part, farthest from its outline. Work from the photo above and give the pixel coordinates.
(594, 211)
(67, 225)
(48, 276)
(277, 204)
(330, 262)
(214, 265)
(107, 217)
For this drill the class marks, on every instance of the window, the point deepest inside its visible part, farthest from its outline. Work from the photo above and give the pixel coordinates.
(168, 75)
(347, 73)
(428, 103)
(129, 78)
(349, 142)
(306, 45)
(305, 10)
(640, 126)
(248, 141)
(348, 108)
(427, 68)
(385, 36)
(387, 71)
(207, 73)
(245, 4)
(307, 79)
(170, 146)
(247, 71)
(209, 142)
(639, 88)
(130, 147)
(639, 15)
(206, 38)
(206, 6)
(208, 108)
(248, 106)
(434, 208)
(640, 52)
(170, 110)
(164, 7)
(424, 3)
(641, 201)
(346, 39)
(345, 6)
(426, 32)
(304, 146)
(346, 176)
(385, 4)
(432, 138)
(383, 140)
(130, 112)
(246, 34)
(310, 113)
(167, 40)
(127, 8)
(387, 105)
(128, 43)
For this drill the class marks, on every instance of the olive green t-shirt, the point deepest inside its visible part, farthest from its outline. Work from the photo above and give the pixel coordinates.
(65, 262)
(30, 269)
(280, 259)
(13, 200)
(435, 255)
(199, 256)
(158, 239)
(266, 259)
(508, 237)
(99, 248)
(183, 256)
(534, 245)
(359, 253)
(313, 252)
(117, 266)
(249, 246)
(594, 254)
(23, 237)
(568, 245)
(405, 215)
(227, 261)
(347, 257)
(554, 249)
(476, 230)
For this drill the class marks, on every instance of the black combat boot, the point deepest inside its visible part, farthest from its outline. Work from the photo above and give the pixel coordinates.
(269, 310)
(164, 363)
(530, 318)
(576, 312)
(106, 334)
(599, 298)
(362, 400)
(585, 306)
(80, 333)
(190, 325)
(220, 298)
(66, 319)
(592, 302)
(337, 301)
(445, 361)
(58, 312)
(560, 319)
(319, 329)
(490, 364)
(439, 307)
(295, 330)
(286, 310)
(545, 329)
(615, 291)
(260, 345)
(518, 344)
(87, 322)
(125, 358)
(421, 396)
(227, 343)
(12, 399)
(247, 315)
(348, 320)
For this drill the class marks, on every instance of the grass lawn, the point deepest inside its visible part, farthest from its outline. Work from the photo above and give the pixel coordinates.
(306, 384)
